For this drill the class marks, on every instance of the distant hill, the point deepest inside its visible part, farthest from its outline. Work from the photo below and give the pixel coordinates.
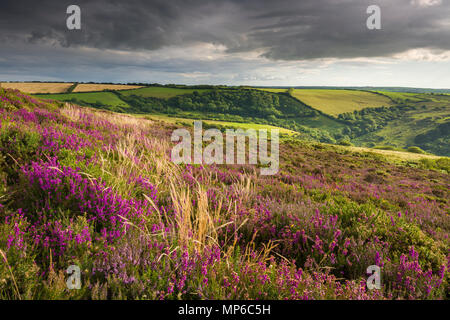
(391, 89)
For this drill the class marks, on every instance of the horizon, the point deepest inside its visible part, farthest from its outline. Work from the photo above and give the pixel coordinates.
(226, 85)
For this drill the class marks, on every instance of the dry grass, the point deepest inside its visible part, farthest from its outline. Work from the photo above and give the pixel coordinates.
(32, 87)
(100, 87)
(399, 155)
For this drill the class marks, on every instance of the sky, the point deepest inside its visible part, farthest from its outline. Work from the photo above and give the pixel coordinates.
(231, 42)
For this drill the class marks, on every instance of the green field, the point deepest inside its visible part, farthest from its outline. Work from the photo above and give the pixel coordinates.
(100, 98)
(275, 90)
(405, 97)
(160, 92)
(426, 113)
(335, 102)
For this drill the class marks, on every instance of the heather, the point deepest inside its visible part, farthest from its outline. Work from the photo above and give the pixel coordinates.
(98, 190)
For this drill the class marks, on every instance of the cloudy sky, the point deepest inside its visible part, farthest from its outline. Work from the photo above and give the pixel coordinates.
(254, 42)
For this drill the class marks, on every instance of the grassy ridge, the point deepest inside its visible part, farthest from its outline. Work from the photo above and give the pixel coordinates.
(331, 116)
(60, 87)
(88, 87)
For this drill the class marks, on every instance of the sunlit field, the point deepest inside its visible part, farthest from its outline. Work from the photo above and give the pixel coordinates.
(86, 87)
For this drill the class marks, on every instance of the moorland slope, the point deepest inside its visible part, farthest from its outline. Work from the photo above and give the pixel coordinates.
(97, 189)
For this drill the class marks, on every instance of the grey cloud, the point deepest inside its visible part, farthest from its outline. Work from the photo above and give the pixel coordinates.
(286, 29)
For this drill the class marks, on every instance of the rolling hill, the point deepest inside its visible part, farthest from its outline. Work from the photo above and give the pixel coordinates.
(366, 119)
(160, 92)
(37, 87)
(97, 189)
(90, 87)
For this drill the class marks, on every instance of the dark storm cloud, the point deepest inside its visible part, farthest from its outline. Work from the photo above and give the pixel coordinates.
(284, 30)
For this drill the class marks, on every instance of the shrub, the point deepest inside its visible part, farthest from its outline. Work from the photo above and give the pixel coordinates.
(414, 149)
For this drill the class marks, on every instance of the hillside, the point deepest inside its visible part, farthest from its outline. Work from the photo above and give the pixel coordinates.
(363, 88)
(160, 92)
(228, 105)
(101, 99)
(90, 87)
(97, 189)
(37, 87)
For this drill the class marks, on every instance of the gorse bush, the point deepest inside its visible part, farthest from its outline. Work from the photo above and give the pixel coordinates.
(91, 188)
(414, 149)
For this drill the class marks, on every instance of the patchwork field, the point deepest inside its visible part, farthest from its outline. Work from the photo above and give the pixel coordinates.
(86, 87)
(392, 154)
(37, 87)
(225, 124)
(335, 102)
